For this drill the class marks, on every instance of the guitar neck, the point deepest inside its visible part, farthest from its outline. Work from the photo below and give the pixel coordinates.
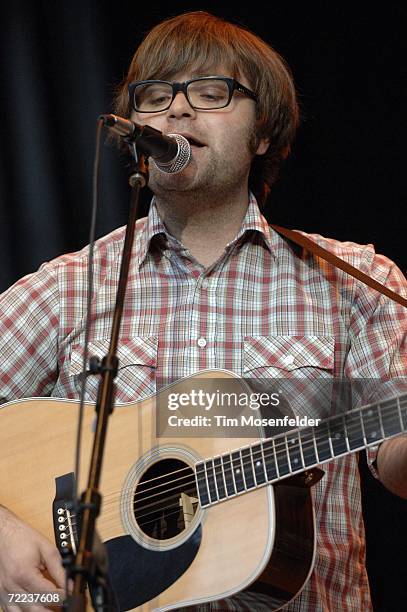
(273, 459)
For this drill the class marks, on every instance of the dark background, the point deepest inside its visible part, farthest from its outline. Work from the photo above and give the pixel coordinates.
(60, 63)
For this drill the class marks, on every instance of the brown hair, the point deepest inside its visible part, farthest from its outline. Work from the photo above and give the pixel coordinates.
(200, 40)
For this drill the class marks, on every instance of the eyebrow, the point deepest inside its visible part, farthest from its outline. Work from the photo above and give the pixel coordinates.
(199, 75)
(205, 73)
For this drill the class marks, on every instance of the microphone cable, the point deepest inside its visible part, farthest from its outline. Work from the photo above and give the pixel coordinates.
(89, 298)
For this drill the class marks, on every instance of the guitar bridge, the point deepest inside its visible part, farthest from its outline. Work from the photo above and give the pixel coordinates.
(64, 516)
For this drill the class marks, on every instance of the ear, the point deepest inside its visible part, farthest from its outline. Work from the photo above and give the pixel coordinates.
(262, 146)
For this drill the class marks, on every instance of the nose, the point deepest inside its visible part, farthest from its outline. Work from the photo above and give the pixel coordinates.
(180, 107)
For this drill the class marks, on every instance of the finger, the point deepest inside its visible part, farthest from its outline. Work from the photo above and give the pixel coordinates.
(7, 600)
(52, 598)
(53, 563)
(37, 583)
(9, 597)
(33, 583)
(11, 608)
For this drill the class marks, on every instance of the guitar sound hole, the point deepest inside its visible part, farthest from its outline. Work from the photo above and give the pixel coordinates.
(165, 499)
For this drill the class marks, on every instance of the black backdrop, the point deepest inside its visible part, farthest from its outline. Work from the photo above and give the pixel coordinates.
(346, 178)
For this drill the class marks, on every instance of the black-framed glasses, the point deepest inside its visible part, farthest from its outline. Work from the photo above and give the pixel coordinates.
(204, 93)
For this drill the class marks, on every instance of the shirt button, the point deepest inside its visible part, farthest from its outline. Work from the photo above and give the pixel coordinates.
(202, 342)
(289, 360)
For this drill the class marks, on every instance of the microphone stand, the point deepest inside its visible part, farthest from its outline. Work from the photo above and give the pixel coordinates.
(90, 563)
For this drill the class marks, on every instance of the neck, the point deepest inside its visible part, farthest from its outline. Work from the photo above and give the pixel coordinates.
(204, 225)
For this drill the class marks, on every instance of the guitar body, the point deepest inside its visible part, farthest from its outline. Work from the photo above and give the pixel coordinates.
(164, 550)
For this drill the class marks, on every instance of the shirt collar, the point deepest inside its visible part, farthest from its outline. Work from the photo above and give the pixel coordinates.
(254, 221)
(153, 226)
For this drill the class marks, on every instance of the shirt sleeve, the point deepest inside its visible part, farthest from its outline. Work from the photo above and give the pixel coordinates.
(29, 324)
(379, 337)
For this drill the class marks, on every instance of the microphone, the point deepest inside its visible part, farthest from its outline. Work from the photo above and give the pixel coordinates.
(171, 153)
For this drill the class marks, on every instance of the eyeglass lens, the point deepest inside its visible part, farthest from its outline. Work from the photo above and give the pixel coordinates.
(205, 94)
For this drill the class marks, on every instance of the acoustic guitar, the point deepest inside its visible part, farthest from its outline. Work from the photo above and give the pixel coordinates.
(185, 520)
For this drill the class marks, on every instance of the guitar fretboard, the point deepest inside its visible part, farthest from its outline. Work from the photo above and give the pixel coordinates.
(266, 462)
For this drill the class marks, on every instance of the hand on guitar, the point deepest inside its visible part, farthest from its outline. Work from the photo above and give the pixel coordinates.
(25, 556)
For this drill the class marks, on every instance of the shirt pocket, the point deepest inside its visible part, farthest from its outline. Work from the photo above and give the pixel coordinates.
(290, 361)
(137, 367)
(287, 356)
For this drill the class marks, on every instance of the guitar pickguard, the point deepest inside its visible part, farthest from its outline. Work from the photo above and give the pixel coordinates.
(151, 571)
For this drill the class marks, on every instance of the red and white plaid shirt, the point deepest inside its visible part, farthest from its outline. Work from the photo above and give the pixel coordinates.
(257, 304)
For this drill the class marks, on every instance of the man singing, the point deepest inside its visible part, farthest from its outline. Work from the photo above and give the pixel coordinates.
(213, 286)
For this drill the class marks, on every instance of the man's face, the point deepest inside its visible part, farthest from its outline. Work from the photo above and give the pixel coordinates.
(221, 161)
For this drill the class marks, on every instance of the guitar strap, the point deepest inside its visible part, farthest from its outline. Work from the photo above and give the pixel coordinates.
(313, 247)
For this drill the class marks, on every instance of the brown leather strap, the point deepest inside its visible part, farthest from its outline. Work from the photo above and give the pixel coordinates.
(312, 246)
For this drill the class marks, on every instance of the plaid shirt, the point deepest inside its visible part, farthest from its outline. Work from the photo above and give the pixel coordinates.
(257, 304)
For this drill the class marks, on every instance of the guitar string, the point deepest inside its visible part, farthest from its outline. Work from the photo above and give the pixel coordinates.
(166, 516)
(166, 508)
(231, 484)
(303, 431)
(265, 456)
(280, 448)
(154, 520)
(177, 471)
(339, 417)
(226, 471)
(230, 468)
(157, 503)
